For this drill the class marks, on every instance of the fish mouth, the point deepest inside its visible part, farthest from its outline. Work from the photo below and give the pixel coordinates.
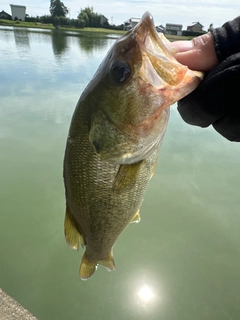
(162, 68)
(148, 37)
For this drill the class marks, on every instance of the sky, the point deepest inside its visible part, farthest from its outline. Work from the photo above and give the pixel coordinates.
(168, 11)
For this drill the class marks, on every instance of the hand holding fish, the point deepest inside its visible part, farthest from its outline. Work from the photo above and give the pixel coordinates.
(197, 54)
(216, 101)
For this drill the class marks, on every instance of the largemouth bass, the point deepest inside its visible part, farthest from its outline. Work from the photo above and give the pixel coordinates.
(114, 139)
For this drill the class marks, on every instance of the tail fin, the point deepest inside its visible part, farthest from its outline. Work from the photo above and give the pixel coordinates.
(108, 263)
(88, 267)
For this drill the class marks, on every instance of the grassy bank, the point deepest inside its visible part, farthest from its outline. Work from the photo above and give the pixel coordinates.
(24, 24)
(51, 27)
(40, 25)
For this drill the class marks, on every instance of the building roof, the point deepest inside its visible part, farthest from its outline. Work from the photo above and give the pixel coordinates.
(135, 19)
(174, 24)
(132, 20)
(5, 13)
(194, 24)
(16, 5)
(160, 29)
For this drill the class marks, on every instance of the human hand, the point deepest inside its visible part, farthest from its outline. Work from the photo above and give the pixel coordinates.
(198, 54)
(216, 101)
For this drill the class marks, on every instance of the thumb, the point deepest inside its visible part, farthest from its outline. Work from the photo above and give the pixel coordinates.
(198, 54)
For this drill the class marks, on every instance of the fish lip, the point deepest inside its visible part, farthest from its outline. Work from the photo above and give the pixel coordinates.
(144, 26)
(159, 67)
(148, 38)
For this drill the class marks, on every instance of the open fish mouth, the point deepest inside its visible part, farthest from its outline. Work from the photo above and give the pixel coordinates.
(155, 53)
(154, 81)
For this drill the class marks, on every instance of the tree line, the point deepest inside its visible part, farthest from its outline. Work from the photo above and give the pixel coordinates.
(86, 18)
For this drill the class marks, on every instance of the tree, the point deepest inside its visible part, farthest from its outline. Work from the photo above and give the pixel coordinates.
(91, 18)
(58, 9)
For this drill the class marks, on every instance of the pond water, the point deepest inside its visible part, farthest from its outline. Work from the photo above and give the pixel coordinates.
(181, 262)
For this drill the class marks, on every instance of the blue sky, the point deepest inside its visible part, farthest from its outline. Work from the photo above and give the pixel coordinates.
(168, 11)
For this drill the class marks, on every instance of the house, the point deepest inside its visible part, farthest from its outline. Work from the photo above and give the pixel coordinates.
(131, 23)
(195, 27)
(103, 20)
(174, 29)
(160, 29)
(18, 12)
(5, 15)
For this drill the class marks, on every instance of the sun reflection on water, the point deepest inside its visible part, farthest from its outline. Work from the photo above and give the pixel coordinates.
(147, 296)
(146, 293)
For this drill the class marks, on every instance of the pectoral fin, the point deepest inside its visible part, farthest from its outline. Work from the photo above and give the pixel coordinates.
(126, 176)
(72, 234)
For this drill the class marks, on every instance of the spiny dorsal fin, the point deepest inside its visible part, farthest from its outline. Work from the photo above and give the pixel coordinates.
(72, 235)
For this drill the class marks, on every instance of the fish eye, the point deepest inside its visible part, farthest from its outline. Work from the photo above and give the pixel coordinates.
(121, 71)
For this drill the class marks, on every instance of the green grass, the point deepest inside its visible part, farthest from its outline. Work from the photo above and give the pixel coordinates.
(25, 24)
(51, 27)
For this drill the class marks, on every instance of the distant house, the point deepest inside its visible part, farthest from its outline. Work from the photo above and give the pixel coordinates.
(103, 20)
(174, 29)
(160, 29)
(131, 23)
(5, 15)
(195, 27)
(18, 12)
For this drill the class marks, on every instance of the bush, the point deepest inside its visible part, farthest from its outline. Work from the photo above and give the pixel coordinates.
(64, 21)
(192, 34)
(46, 19)
(30, 19)
(79, 23)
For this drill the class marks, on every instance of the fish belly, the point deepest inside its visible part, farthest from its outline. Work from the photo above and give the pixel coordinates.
(102, 199)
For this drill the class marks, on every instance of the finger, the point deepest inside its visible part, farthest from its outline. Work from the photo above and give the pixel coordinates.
(198, 54)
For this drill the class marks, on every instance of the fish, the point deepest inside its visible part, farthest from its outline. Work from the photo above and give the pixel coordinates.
(114, 139)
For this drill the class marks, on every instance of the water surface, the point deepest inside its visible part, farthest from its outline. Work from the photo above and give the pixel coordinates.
(181, 262)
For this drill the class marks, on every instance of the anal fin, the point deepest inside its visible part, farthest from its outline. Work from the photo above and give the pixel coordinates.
(72, 235)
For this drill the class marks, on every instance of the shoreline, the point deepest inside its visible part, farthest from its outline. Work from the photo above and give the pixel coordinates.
(38, 25)
(10, 309)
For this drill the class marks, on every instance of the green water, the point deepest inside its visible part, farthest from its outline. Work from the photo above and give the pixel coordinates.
(181, 262)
